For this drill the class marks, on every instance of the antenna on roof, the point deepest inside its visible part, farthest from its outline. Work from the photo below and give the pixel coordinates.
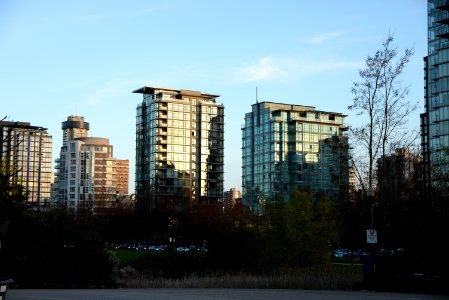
(257, 99)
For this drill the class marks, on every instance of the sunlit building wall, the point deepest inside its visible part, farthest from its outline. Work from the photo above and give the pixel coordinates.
(120, 175)
(286, 147)
(179, 148)
(26, 157)
(72, 128)
(232, 197)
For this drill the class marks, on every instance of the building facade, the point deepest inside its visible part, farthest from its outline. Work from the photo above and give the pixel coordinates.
(435, 119)
(179, 149)
(397, 175)
(232, 197)
(26, 157)
(120, 175)
(286, 147)
(88, 178)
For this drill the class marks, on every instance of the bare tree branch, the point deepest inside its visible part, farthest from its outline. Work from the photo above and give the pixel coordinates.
(380, 97)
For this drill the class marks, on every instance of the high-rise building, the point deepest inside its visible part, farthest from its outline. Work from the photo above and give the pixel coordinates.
(232, 197)
(88, 178)
(179, 148)
(397, 174)
(435, 119)
(286, 147)
(26, 158)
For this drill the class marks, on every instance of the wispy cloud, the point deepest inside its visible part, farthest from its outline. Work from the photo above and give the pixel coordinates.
(110, 92)
(278, 69)
(324, 37)
(267, 68)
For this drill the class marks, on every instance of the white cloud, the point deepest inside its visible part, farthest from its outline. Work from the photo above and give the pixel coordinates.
(275, 69)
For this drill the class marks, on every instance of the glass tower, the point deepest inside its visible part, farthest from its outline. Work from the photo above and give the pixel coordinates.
(26, 157)
(288, 146)
(435, 119)
(179, 148)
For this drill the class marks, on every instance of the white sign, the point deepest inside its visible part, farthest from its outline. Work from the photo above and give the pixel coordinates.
(371, 236)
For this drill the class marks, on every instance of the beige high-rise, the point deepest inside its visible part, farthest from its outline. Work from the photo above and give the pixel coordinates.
(89, 178)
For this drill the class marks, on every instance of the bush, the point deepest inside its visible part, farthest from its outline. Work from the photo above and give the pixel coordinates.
(84, 266)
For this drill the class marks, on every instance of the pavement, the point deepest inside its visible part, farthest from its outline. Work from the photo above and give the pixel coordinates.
(210, 294)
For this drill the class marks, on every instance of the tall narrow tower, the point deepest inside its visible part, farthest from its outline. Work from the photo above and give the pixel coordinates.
(179, 148)
(435, 119)
(74, 127)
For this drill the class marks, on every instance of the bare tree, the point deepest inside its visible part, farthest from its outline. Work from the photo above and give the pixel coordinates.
(6, 147)
(381, 97)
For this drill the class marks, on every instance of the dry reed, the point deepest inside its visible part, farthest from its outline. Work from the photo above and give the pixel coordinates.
(309, 278)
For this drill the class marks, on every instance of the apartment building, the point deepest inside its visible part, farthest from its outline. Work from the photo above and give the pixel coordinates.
(88, 178)
(435, 119)
(287, 146)
(26, 156)
(179, 149)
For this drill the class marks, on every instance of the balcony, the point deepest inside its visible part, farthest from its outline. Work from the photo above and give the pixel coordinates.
(443, 32)
(442, 18)
(162, 132)
(161, 141)
(443, 5)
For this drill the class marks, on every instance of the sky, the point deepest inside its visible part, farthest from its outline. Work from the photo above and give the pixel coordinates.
(60, 58)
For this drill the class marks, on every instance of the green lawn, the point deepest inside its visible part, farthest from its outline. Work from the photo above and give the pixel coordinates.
(127, 257)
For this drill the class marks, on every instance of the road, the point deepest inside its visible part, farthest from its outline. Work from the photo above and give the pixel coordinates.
(211, 294)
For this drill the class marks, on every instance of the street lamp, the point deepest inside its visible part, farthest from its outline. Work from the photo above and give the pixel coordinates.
(371, 234)
(370, 197)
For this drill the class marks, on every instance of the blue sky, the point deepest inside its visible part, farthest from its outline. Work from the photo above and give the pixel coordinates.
(85, 57)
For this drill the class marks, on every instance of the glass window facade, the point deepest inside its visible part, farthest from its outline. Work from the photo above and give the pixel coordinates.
(179, 148)
(435, 119)
(27, 155)
(291, 146)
